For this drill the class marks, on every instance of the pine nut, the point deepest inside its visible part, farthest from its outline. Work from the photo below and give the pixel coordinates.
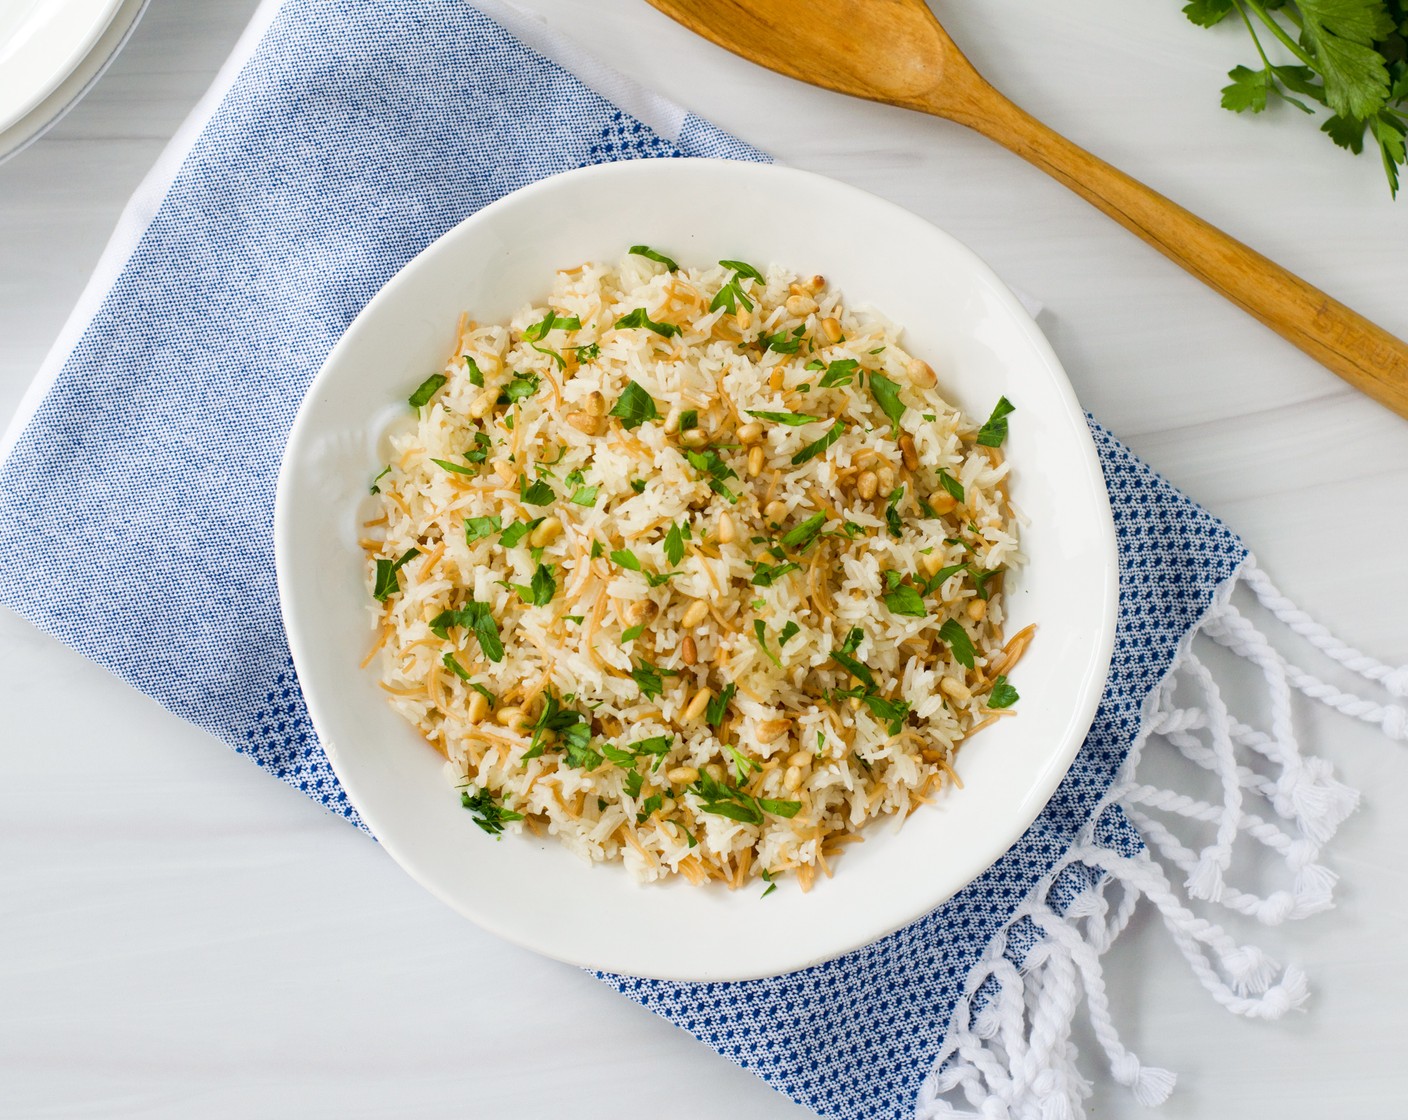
(698, 704)
(775, 511)
(750, 433)
(831, 328)
(801, 758)
(886, 477)
(688, 653)
(546, 533)
(943, 503)
(949, 686)
(867, 484)
(596, 404)
(587, 424)
(714, 770)
(640, 611)
(483, 404)
(756, 456)
(672, 420)
(726, 529)
(694, 439)
(815, 283)
(931, 563)
(478, 707)
(682, 775)
(908, 452)
(776, 379)
(793, 778)
(745, 318)
(504, 471)
(921, 374)
(796, 289)
(771, 729)
(697, 612)
(977, 609)
(800, 305)
(510, 717)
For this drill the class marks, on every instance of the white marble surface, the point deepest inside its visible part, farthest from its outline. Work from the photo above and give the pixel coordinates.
(182, 936)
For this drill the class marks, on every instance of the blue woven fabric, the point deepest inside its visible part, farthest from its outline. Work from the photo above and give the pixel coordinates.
(136, 509)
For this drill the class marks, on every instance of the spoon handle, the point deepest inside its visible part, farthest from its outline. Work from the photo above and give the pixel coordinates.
(1365, 355)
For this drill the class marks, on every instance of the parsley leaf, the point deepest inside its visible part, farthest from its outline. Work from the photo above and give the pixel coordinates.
(838, 373)
(730, 296)
(781, 343)
(488, 814)
(689, 418)
(958, 641)
(905, 600)
(585, 496)
(951, 484)
(767, 878)
(476, 375)
(552, 322)
(428, 388)
(375, 489)
(856, 669)
(791, 419)
(854, 637)
(541, 588)
(538, 494)
(762, 634)
(801, 537)
(638, 318)
(765, 575)
(674, 545)
(892, 512)
(718, 705)
(517, 531)
(788, 633)
(634, 407)
(994, 431)
(708, 462)
(477, 528)
(626, 559)
(1003, 695)
(633, 633)
(650, 254)
(522, 386)
(453, 468)
(479, 621)
(649, 678)
(887, 396)
(588, 352)
(812, 450)
(386, 571)
(743, 268)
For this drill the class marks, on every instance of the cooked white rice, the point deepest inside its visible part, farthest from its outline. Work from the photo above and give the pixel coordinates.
(641, 774)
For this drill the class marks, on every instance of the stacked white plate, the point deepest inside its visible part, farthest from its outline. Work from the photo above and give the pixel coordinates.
(51, 51)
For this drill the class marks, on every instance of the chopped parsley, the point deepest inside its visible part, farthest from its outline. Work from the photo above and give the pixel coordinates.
(454, 468)
(994, 431)
(384, 472)
(479, 621)
(626, 559)
(765, 575)
(742, 765)
(708, 462)
(772, 886)
(903, 599)
(789, 631)
(638, 318)
(782, 342)
(428, 388)
(538, 494)
(477, 528)
(887, 396)
(488, 813)
(854, 667)
(585, 496)
(572, 726)
(386, 570)
(854, 637)
(689, 418)
(552, 322)
(791, 419)
(517, 531)
(724, 800)
(1003, 695)
(674, 545)
(522, 385)
(958, 641)
(650, 679)
(596, 550)
(951, 484)
(743, 268)
(588, 352)
(480, 451)
(634, 407)
(801, 537)
(718, 705)
(650, 254)
(638, 485)
(892, 512)
(632, 633)
(841, 372)
(476, 375)
(762, 634)
(541, 588)
(812, 450)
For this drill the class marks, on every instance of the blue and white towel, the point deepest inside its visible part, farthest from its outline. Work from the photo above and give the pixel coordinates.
(136, 513)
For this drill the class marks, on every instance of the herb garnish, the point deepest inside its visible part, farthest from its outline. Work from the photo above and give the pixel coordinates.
(904, 599)
(479, 621)
(585, 496)
(587, 352)
(541, 588)
(791, 419)
(538, 494)
(674, 545)
(1003, 695)
(428, 388)
(709, 463)
(650, 254)
(477, 528)
(386, 574)
(892, 512)
(476, 375)
(994, 431)
(634, 407)
(761, 631)
(638, 318)
(488, 813)
(801, 537)
(838, 373)
(765, 575)
(951, 484)
(812, 450)
(522, 385)
(732, 294)
(552, 322)
(718, 705)
(789, 631)
(724, 800)
(375, 489)
(626, 559)
(957, 638)
(782, 342)
(453, 468)
(632, 633)
(772, 886)
(650, 678)
(689, 418)
(887, 396)
(517, 531)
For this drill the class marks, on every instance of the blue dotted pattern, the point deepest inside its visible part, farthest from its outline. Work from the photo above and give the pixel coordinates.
(136, 509)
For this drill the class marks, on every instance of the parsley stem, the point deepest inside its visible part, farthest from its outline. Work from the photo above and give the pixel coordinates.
(1276, 29)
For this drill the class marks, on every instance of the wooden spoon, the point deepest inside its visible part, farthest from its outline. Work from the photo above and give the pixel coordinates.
(895, 51)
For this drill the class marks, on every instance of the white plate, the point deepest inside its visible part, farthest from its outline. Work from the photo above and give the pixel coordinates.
(51, 52)
(958, 315)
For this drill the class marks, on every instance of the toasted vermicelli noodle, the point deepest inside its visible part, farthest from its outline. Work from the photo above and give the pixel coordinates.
(694, 569)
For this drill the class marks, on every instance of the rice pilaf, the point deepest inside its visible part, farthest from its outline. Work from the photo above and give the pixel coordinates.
(695, 569)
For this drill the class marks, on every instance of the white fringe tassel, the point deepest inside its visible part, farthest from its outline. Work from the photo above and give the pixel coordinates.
(1009, 1054)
